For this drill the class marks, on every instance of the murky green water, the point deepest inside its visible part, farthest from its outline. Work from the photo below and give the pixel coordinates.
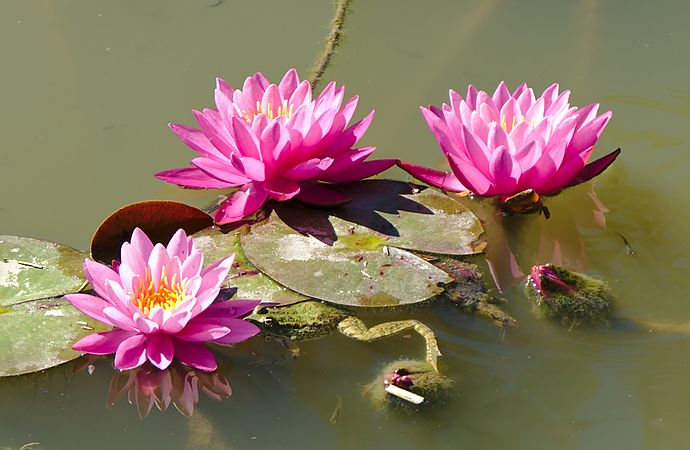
(88, 86)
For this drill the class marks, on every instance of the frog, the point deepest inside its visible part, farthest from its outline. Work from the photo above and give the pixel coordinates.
(524, 202)
(312, 319)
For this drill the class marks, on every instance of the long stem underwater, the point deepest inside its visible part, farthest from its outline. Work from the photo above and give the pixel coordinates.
(322, 61)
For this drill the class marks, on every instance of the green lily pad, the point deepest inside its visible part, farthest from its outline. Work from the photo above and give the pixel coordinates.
(39, 334)
(411, 218)
(355, 269)
(31, 269)
(249, 281)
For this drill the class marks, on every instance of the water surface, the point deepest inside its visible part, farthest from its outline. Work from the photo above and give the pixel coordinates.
(88, 87)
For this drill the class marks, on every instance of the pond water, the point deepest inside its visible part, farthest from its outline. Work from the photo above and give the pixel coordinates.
(88, 87)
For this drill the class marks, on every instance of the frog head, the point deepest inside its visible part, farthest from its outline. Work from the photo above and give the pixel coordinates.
(569, 297)
(525, 202)
(304, 320)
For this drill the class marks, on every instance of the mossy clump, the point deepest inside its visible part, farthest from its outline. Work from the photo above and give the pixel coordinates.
(572, 298)
(418, 377)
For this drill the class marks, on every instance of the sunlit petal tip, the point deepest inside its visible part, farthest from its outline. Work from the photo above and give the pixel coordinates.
(436, 178)
(595, 168)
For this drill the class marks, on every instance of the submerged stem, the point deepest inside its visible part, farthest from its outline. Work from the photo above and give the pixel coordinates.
(332, 42)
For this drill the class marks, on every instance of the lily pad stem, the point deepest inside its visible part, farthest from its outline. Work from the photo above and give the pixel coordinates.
(332, 42)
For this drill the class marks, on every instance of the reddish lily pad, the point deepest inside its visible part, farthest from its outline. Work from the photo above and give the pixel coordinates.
(356, 270)
(32, 268)
(157, 218)
(249, 281)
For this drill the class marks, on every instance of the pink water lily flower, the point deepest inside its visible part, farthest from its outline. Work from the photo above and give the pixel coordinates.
(161, 304)
(275, 141)
(503, 144)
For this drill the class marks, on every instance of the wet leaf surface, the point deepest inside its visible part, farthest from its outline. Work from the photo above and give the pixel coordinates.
(39, 334)
(249, 281)
(355, 271)
(422, 220)
(32, 268)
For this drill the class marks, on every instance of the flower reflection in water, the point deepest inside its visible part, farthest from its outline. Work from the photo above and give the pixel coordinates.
(178, 385)
(519, 242)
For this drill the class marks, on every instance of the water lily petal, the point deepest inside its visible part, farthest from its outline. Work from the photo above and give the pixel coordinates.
(281, 189)
(119, 319)
(363, 170)
(289, 83)
(247, 143)
(442, 180)
(241, 204)
(225, 172)
(178, 245)
(191, 177)
(196, 140)
(142, 243)
(505, 171)
(97, 274)
(196, 331)
(131, 352)
(216, 133)
(309, 169)
(252, 168)
(160, 350)
(228, 309)
(103, 343)
(240, 330)
(91, 306)
(593, 169)
(195, 355)
(192, 265)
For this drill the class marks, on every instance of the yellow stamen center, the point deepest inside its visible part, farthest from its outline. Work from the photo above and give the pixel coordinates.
(168, 294)
(284, 110)
(504, 123)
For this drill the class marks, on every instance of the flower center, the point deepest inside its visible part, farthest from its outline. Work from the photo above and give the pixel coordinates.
(168, 294)
(508, 127)
(284, 110)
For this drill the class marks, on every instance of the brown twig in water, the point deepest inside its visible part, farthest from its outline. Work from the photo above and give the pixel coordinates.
(332, 42)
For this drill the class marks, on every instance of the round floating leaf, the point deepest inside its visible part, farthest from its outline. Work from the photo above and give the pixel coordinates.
(157, 218)
(32, 268)
(423, 220)
(354, 269)
(249, 281)
(39, 334)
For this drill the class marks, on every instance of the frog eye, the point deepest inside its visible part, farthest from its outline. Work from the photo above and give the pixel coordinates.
(261, 310)
(268, 321)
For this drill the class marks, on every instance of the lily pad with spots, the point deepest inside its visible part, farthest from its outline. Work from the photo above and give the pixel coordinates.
(249, 281)
(354, 271)
(357, 254)
(37, 325)
(39, 334)
(32, 268)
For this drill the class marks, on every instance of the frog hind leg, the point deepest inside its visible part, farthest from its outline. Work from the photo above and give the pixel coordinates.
(354, 328)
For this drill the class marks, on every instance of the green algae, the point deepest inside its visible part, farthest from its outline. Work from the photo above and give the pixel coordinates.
(587, 304)
(435, 387)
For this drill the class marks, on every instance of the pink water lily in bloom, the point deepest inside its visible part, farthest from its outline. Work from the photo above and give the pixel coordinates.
(162, 305)
(275, 141)
(506, 143)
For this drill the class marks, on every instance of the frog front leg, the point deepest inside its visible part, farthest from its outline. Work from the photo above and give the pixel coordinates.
(356, 329)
